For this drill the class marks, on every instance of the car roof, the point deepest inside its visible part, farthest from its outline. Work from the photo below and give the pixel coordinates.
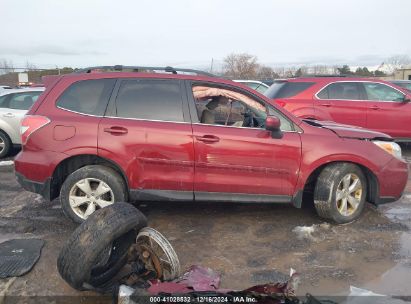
(400, 81)
(11, 91)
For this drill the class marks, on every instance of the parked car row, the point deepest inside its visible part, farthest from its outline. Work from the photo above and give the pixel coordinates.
(98, 138)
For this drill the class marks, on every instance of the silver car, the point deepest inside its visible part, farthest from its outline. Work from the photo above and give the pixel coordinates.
(13, 106)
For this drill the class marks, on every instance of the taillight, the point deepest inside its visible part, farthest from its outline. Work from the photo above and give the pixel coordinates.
(30, 124)
(281, 103)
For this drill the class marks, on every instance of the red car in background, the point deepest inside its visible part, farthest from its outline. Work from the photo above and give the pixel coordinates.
(370, 103)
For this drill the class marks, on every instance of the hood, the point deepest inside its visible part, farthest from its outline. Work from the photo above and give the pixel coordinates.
(348, 131)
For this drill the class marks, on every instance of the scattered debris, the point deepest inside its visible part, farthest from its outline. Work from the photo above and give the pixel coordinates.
(6, 163)
(18, 256)
(306, 232)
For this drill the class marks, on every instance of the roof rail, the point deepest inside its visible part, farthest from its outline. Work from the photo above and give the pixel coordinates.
(119, 68)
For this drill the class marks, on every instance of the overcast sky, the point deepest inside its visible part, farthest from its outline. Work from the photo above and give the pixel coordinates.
(186, 33)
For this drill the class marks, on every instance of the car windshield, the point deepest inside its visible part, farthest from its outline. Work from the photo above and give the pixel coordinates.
(285, 89)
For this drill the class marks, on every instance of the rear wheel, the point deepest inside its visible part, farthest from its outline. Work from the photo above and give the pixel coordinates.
(5, 144)
(340, 192)
(91, 188)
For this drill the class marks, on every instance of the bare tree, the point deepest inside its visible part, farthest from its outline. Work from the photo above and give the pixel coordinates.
(266, 72)
(240, 66)
(396, 62)
(6, 66)
(30, 66)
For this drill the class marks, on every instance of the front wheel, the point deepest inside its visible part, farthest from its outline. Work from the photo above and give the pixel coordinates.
(340, 192)
(91, 188)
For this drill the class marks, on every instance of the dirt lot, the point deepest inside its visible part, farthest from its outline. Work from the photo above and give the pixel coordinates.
(248, 244)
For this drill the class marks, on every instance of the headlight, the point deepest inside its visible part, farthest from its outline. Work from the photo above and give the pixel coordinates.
(390, 147)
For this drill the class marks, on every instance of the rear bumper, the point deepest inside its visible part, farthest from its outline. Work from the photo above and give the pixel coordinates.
(33, 186)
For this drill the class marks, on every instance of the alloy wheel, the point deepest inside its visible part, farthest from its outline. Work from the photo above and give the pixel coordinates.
(89, 195)
(349, 194)
(2, 144)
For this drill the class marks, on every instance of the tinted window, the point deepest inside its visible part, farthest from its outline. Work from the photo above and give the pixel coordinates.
(3, 101)
(405, 85)
(341, 90)
(23, 101)
(87, 96)
(286, 89)
(382, 92)
(150, 99)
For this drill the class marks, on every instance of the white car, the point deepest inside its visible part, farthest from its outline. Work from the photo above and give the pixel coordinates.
(254, 84)
(14, 103)
(4, 87)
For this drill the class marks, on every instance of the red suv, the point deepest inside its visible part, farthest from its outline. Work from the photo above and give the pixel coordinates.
(97, 138)
(370, 103)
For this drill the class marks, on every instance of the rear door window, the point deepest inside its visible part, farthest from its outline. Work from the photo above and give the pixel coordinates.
(341, 91)
(87, 96)
(382, 92)
(23, 101)
(150, 100)
(286, 89)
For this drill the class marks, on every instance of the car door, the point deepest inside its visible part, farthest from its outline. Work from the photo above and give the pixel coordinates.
(342, 102)
(147, 131)
(234, 162)
(17, 106)
(387, 111)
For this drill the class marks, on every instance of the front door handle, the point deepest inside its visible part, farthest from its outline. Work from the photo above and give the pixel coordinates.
(326, 105)
(8, 115)
(208, 139)
(116, 130)
(375, 107)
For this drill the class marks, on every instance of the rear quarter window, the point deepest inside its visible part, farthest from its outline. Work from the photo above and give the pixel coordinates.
(87, 96)
(286, 89)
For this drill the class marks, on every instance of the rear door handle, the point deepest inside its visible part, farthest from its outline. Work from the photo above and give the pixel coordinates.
(8, 115)
(326, 105)
(116, 130)
(375, 107)
(208, 138)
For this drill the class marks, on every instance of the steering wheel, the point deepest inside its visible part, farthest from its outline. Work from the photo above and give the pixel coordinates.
(249, 119)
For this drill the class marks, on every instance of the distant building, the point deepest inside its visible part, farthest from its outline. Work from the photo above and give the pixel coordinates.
(403, 74)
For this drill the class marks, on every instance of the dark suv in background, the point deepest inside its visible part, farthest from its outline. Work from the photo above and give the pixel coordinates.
(97, 138)
(370, 103)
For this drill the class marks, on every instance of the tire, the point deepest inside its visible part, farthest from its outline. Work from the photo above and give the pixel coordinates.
(114, 227)
(92, 175)
(5, 144)
(330, 183)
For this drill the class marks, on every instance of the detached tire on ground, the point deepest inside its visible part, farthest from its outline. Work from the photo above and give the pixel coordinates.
(91, 188)
(97, 249)
(5, 144)
(340, 192)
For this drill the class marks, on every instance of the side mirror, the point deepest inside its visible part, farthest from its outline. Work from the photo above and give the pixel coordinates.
(273, 124)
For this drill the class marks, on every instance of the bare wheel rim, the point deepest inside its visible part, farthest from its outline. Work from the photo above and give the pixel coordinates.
(2, 144)
(163, 250)
(88, 195)
(349, 194)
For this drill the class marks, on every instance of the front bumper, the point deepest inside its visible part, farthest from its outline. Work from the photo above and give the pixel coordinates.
(33, 186)
(392, 179)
